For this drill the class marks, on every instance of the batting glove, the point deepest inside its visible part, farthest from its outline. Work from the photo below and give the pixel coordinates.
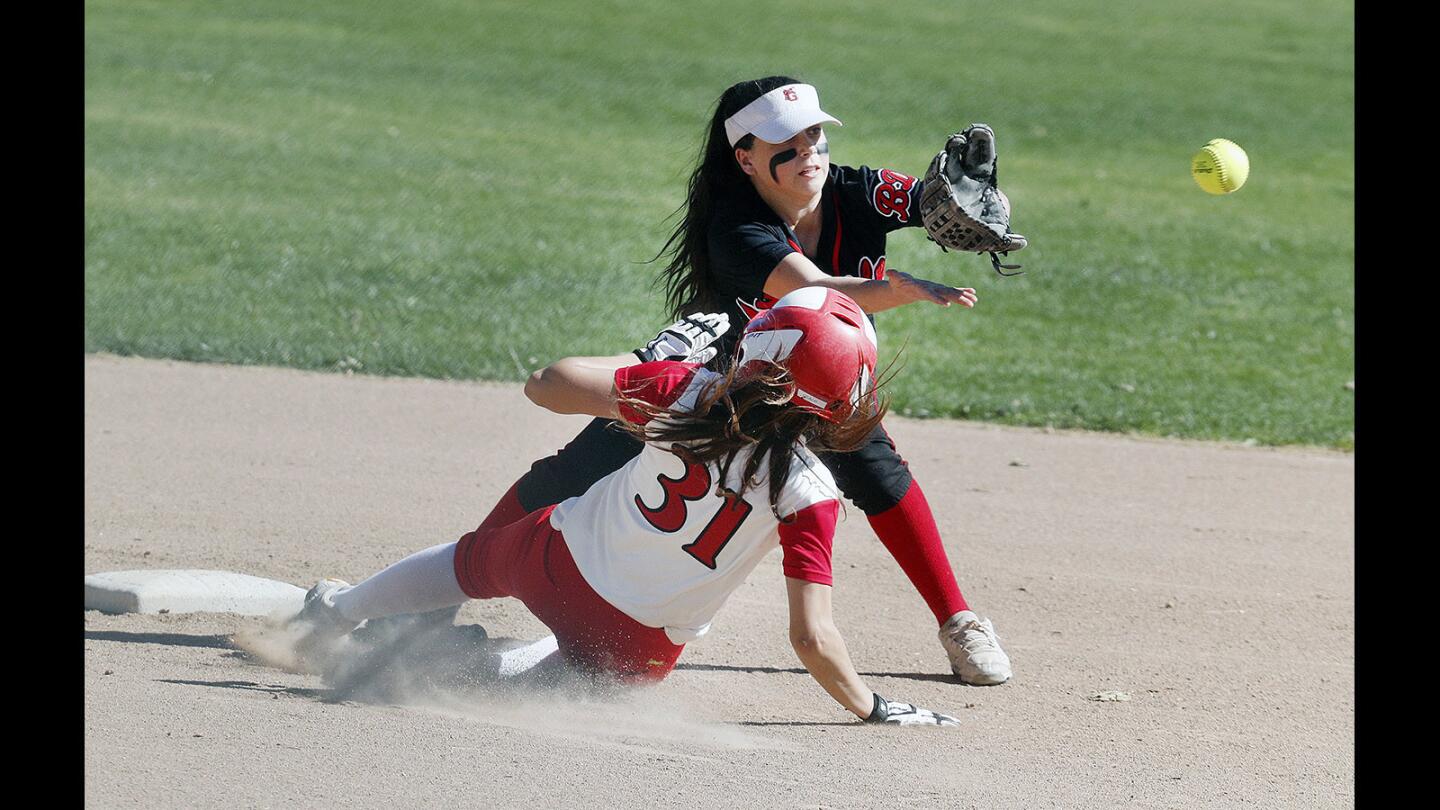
(907, 714)
(687, 340)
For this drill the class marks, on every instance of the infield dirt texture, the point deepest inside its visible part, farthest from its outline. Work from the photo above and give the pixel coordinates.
(1212, 584)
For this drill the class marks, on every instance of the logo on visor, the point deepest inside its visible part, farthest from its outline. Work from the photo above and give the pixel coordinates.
(790, 94)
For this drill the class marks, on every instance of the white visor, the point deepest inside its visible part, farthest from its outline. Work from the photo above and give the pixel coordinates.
(779, 115)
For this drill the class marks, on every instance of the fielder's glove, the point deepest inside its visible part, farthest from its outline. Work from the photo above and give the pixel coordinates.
(906, 714)
(687, 340)
(962, 205)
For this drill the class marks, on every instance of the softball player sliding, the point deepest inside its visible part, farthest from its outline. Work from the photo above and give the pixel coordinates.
(767, 213)
(629, 571)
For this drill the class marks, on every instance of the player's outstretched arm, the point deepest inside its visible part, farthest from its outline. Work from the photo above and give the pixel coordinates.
(587, 384)
(579, 385)
(896, 289)
(822, 650)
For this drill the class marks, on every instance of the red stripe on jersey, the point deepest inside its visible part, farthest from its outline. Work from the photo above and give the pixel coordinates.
(835, 260)
(806, 542)
(792, 244)
(659, 383)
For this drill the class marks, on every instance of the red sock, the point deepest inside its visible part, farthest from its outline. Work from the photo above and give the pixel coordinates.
(507, 511)
(908, 531)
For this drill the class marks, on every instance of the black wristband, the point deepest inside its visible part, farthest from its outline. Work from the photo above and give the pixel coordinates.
(640, 353)
(880, 711)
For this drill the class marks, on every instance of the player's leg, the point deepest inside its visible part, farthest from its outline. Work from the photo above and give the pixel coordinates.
(878, 481)
(595, 453)
(419, 583)
(530, 561)
(526, 559)
(422, 583)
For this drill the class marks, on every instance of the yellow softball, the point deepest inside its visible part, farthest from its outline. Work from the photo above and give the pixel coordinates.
(1220, 167)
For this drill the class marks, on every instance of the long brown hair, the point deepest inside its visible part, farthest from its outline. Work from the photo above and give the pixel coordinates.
(734, 413)
(688, 288)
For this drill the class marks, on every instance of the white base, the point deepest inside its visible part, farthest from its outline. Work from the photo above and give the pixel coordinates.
(190, 591)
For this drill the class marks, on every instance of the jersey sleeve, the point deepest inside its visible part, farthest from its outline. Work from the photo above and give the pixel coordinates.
(661, 383)
(888, 199)
(743, 254)
(806, 542)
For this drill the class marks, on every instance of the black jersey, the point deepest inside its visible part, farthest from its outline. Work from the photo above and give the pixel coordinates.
(859, 208)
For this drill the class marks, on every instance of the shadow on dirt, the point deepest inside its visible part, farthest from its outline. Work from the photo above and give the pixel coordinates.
(273, 688)
(911, 676)
(797, 723)
(169, 639)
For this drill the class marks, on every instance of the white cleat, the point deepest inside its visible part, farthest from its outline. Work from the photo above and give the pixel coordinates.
(974, 650)
(320, 625)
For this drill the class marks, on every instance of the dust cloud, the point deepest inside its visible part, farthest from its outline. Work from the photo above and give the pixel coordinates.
(455, 670)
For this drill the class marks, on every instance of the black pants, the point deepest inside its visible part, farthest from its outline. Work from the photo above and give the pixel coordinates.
(874, 477)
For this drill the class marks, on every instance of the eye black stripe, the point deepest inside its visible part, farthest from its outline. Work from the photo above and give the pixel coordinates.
(781, 157)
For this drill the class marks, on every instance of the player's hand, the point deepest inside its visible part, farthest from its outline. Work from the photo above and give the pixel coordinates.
(687, 340)
(918, 289)
(907, 714)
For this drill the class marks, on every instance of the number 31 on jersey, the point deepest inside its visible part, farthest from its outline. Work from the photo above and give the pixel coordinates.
(673, 511)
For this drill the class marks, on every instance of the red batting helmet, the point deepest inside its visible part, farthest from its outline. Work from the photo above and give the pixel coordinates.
(822, 337)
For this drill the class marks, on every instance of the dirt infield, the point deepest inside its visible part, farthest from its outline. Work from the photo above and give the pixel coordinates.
(1212, 585)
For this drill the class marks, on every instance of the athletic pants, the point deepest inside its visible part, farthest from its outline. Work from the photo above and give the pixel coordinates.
(529, 560)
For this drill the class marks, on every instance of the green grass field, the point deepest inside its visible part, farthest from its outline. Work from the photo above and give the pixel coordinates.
(470, 189)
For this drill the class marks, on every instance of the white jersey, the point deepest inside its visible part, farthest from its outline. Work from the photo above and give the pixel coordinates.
(655, 540)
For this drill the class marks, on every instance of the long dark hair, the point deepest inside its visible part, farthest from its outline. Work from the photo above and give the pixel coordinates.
(734, 413)
(687, 275)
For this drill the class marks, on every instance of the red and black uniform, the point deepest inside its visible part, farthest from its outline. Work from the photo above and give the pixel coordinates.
(858, 208)
(747, 239)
